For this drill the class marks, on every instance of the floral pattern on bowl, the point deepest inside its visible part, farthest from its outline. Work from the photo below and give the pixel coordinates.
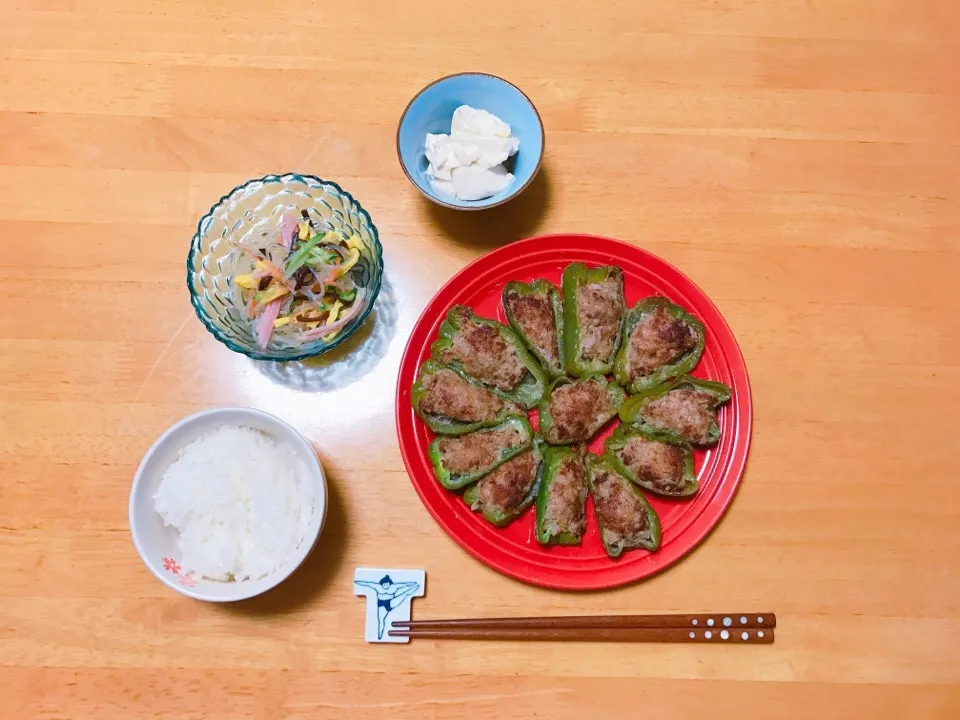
(185, 578)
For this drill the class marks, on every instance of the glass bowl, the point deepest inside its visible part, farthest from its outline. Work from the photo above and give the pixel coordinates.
(250, 209)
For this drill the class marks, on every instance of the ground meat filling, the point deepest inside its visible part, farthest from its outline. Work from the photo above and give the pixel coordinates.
(658, 464)
(687, 412)
(599, 308)
(506, 488)
(621, 515)
(477, 450)
(564, 511)
(578, 410)
(534, 316)
(483, 353)
(656, 340)
(448, 395)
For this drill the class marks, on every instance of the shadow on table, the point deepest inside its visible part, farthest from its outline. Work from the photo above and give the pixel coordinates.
(346, 363)
(317, 571)
(514, 220)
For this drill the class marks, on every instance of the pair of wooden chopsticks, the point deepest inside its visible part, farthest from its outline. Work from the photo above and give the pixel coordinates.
(730, 628)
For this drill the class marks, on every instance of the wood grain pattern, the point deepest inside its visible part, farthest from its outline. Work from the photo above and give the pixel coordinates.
(799, 159)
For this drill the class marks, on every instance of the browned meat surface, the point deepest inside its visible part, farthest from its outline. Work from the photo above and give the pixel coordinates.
(685, 411)
(484, 354)
(578, 410)
(509, 485)
(565, 499)
(447, 394)
(477, 450)
(599, 307)
(656, 340)
(534, 315)
(620, 513)
(659, 464)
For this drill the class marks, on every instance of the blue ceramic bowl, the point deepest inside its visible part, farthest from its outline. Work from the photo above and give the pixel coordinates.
(431, 111)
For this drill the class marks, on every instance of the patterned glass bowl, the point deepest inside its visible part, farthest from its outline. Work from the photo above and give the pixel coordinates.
(250, 209)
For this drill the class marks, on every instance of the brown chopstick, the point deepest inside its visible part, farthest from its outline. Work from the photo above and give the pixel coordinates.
(698, 621)
(732, 636)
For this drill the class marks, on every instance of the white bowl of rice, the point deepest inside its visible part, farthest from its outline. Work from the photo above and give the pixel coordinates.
(227, 504)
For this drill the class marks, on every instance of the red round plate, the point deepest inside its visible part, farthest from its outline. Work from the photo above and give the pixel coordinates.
(513, 550)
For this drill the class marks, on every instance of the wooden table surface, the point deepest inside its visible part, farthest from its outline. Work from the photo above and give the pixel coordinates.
(799, 159)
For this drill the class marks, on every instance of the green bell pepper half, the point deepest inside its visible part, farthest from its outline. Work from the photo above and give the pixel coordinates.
(545, 289)
(499, 516)
(554, 459)
(576, 276)
(650, 540)
(443, 425)
(680, 366)
(548, 426)
(528, 391)
(632, 409)
(453, 481)
(625, 433)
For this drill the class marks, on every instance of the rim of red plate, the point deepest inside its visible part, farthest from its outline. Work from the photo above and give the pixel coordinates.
(729, 466)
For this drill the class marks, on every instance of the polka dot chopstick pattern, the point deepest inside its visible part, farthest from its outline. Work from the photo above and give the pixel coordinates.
(733, 628)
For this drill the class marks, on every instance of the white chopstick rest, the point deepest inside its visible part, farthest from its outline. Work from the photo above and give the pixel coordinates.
(389, 593)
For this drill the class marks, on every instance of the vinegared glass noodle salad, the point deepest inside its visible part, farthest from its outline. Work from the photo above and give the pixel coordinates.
(301, 282)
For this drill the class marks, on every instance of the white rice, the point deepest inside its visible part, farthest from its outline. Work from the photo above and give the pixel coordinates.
(241, 501)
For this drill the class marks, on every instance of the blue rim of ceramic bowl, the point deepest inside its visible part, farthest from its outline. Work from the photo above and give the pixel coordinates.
(307, 352)
(472, 208)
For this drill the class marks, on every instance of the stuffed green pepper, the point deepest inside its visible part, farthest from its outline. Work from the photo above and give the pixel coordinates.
(490, 353)
(624, 517)
(593, 312)
(561, 501)
(452, 404)
(685, 409)
(502, 495)
(573, 410)
(535, 312)
(655, 461)
(459, 461)
(661, 341)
